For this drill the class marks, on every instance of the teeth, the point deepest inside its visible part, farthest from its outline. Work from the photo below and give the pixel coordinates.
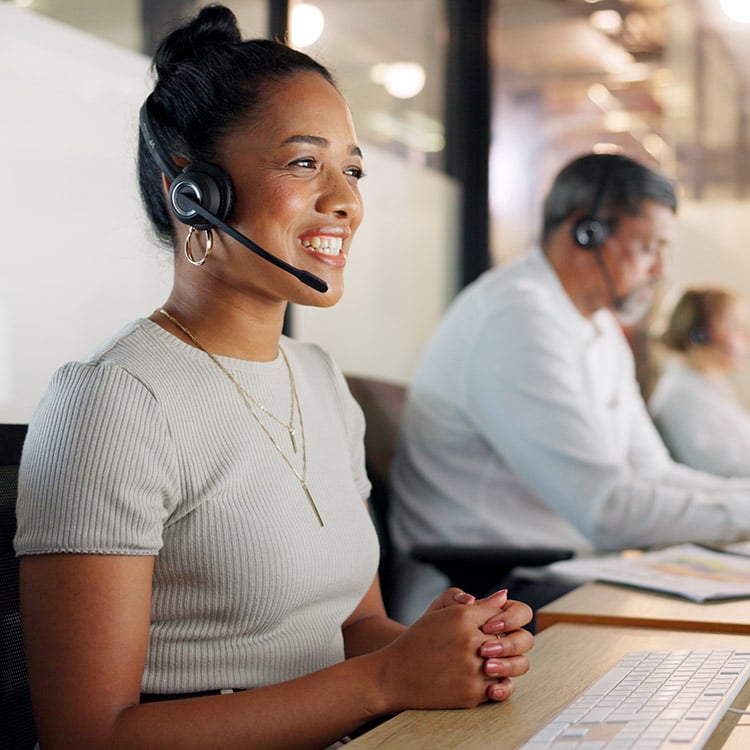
(324, 245)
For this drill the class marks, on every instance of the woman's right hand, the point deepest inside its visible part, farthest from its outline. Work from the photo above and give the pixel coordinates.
(441, 661)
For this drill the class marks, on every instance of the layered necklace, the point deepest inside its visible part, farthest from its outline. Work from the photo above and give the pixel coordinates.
(254, 406)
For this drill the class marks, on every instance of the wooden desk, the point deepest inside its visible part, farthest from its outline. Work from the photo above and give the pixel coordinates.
(606, 604)
(565, 660)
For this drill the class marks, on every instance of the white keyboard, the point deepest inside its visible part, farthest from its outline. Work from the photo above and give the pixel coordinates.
(650, 701)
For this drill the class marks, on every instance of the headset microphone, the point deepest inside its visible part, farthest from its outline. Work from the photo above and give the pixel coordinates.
(591, 231)
(617, 301)
(304, 276)
(201, 195)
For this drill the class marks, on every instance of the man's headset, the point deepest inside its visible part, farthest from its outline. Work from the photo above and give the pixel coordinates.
(201, 195)
(590, 231)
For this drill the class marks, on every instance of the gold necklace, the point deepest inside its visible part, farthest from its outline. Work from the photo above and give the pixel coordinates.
(251, 403)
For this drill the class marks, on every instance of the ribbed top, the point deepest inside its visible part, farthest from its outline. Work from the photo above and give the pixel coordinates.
(148, 449)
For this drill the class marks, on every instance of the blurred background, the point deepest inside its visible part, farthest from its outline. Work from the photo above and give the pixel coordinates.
(465, 108)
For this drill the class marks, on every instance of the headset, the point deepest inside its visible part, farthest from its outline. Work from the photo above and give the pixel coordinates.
(699, 330)
(591, 231)
(201, 195)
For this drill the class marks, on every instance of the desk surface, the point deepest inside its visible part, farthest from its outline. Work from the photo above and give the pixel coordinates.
(605, 604)
(565, 660)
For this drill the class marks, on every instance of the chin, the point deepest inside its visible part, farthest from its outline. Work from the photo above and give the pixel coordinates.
(312, 298)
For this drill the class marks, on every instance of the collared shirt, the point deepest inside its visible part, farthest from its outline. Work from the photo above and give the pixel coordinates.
(525, 426)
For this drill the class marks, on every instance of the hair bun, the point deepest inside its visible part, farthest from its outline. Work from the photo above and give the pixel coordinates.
(214, 25)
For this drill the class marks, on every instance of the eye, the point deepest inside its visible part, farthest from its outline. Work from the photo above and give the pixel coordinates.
(306, 163)
(356, 172)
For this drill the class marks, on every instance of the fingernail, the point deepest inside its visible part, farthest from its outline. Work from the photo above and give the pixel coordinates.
(463, 598)
(492, 627)
(491, 649)
(502, 592)
(494, 668)
(497, 692)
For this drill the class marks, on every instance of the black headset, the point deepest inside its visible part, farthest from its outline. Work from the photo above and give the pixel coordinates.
(206, 184)
(591, 231)
(201, 195)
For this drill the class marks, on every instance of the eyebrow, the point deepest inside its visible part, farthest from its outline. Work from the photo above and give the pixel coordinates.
(319, 141)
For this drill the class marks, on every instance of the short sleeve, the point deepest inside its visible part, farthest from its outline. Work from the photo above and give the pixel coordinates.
(98, 473)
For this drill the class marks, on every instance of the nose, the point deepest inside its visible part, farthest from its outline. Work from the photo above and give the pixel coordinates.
(340, 196)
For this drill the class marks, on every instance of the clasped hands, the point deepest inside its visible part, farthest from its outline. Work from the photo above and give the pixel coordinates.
(464, 651)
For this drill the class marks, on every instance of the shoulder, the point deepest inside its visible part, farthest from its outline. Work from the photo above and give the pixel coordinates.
(524, 292)
(118, 378)
(312, 360)
(320, 378)
(108, 362)
(679, 388)
(313, 366)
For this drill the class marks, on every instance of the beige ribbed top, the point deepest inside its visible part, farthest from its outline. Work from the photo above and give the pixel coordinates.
(147, 449)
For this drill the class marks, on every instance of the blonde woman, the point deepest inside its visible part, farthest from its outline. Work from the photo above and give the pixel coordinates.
(694, 405)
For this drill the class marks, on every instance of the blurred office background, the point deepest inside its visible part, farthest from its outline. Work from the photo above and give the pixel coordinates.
(465, 110)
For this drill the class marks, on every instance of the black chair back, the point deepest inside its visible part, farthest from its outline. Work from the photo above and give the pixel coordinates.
(17, 730)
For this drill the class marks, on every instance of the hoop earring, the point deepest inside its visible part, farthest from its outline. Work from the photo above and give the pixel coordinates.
(189, 252)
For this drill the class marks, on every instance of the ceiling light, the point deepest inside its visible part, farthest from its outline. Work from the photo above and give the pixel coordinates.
(737, 10)
(414, 130)
(605, 147)
(402, 80)
(618, 121)
(656, 146)
(601, 96)
(306, 25)
(606, 21)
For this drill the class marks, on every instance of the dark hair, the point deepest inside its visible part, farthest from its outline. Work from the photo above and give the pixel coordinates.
(693, 315)
(627, 184)
(207, 81)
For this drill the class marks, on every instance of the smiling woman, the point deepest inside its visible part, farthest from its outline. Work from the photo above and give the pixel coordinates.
(196, 555)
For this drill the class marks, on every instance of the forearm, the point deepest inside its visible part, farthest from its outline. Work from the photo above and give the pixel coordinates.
(369, 633)
(642, 512)
(312, 711)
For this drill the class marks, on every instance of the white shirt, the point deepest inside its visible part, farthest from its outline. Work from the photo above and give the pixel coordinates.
(525, 426)
(701, 421)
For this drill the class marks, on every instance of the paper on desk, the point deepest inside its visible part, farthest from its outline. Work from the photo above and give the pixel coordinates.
(738, 548)
(687, 570)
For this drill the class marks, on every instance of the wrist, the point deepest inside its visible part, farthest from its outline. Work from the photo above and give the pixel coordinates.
(375, 678)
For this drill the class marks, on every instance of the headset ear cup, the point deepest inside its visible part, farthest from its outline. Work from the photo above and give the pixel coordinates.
(699, 337)
(206, 184)
(589, 233)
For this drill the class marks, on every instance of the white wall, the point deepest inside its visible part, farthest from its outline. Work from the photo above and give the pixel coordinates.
(401, 274)
(77, 259)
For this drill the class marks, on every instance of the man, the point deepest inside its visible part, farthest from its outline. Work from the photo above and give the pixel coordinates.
(525, 426)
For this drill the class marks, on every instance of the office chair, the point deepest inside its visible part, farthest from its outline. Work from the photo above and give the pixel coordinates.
(473, 568)
(17, 730)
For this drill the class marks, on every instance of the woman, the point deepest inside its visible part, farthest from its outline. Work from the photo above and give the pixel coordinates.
(190, 517)
(693, 405)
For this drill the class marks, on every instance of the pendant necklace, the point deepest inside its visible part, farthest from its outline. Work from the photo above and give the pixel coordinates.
(253, 404)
